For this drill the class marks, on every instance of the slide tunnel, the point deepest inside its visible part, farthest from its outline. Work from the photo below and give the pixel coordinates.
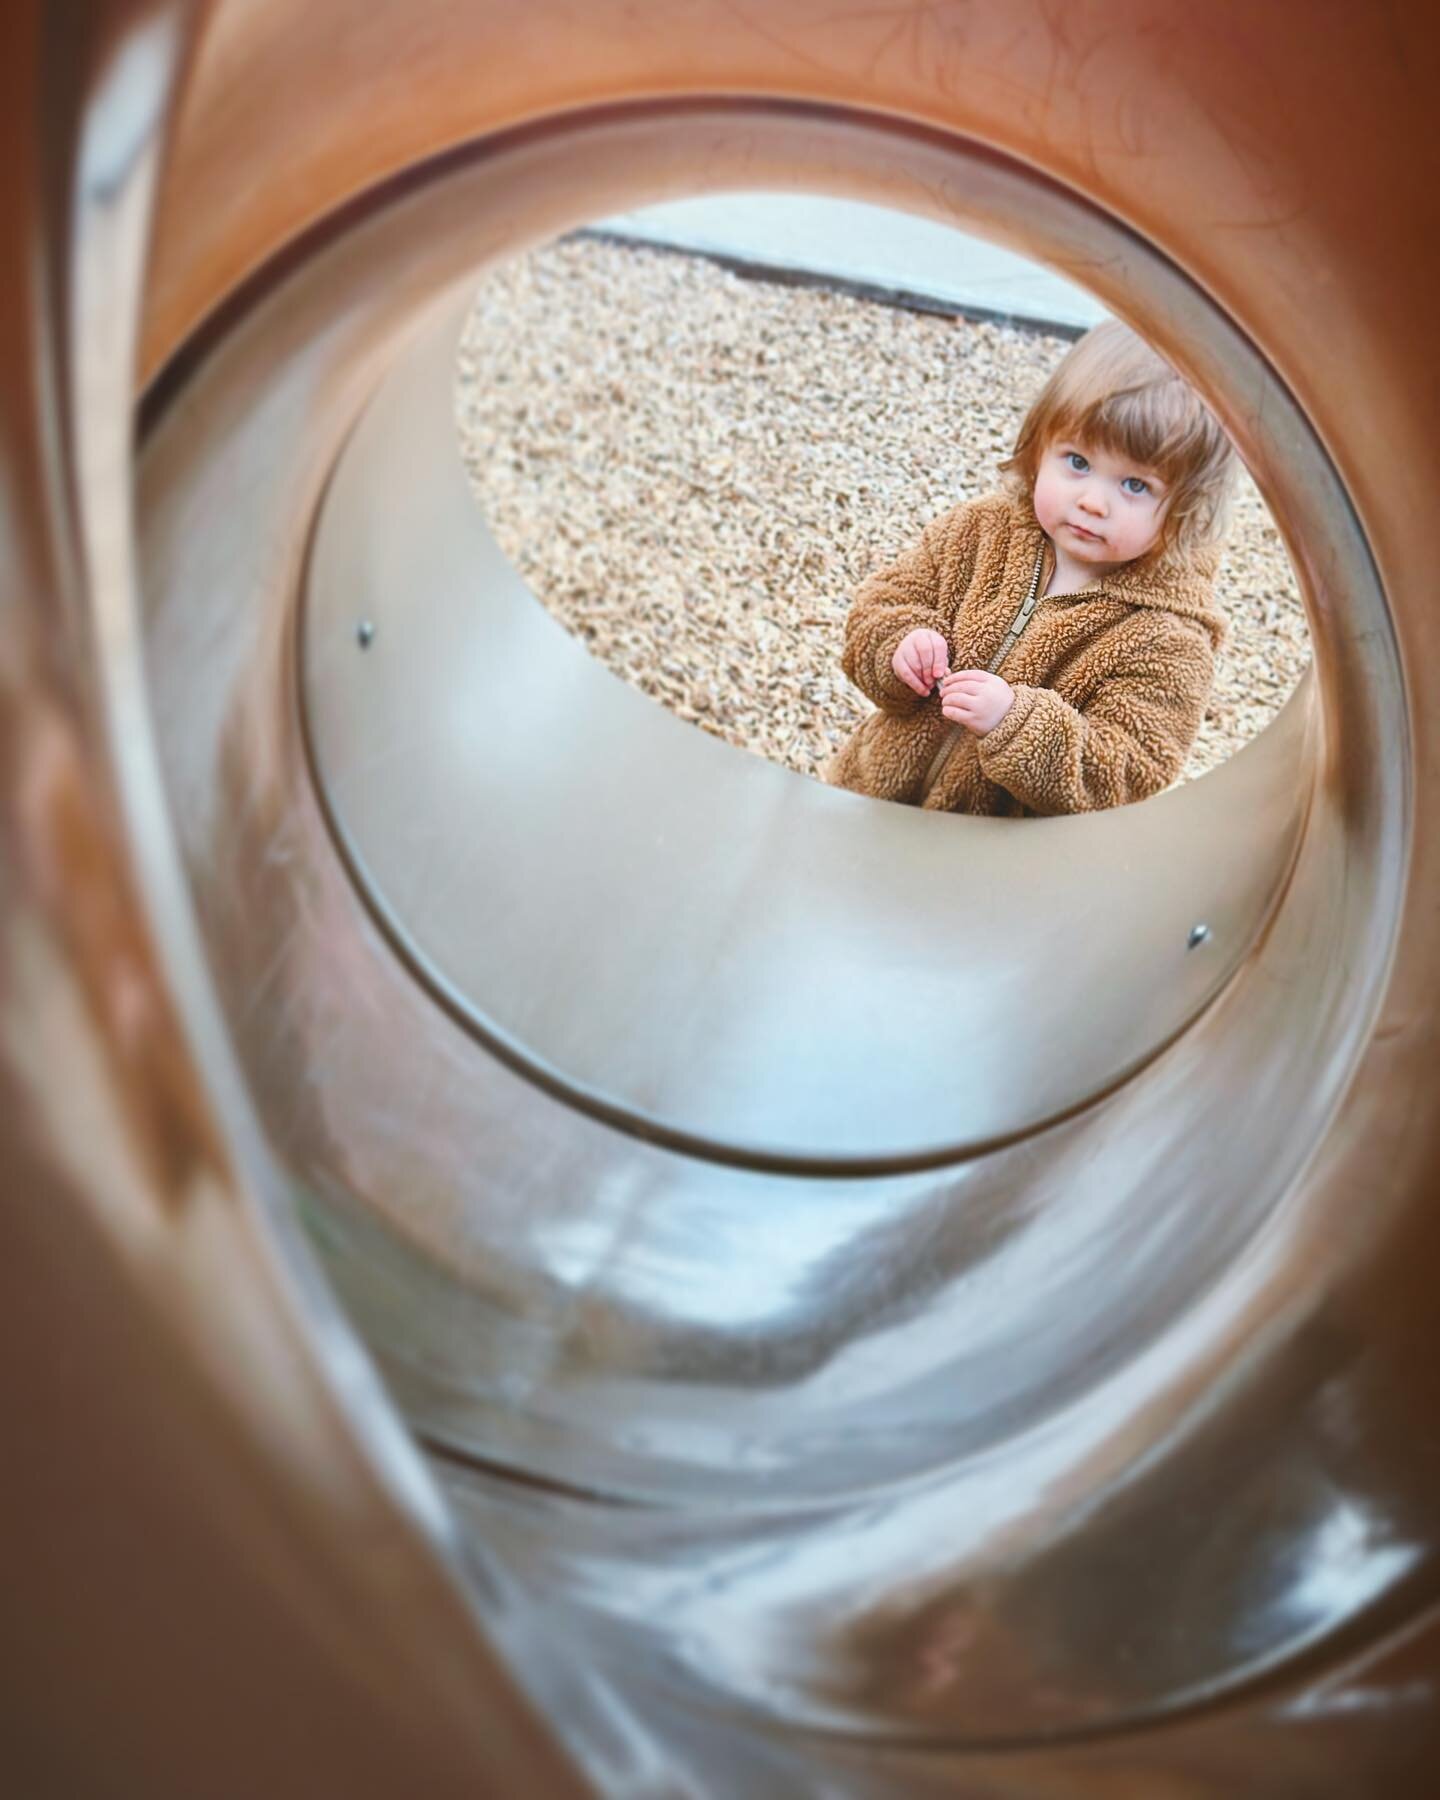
(546, 1254)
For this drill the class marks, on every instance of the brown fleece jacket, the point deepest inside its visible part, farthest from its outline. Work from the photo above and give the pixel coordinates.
(1110, 680)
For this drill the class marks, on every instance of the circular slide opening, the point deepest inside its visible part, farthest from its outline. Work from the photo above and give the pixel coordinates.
(674, 941)
(698, 948)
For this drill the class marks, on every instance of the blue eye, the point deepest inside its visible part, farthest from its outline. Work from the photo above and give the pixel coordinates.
(1076, 461)
(1132, 484)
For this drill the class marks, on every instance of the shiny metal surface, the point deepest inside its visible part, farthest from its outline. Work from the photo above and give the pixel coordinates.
(226, 1570)
(1097, 1464)
(694, 945)
(592, 1309)
(415, 1093)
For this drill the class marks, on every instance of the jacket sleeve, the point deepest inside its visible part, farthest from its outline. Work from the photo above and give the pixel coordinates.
(917, 590)
(1129, 742)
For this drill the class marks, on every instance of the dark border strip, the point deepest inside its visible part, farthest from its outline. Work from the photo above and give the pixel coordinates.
(782, 275)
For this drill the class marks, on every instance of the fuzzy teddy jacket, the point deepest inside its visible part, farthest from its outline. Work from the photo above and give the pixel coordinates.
(1110, 680)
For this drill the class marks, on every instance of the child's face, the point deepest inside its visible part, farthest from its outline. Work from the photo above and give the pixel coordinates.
(1099, 509)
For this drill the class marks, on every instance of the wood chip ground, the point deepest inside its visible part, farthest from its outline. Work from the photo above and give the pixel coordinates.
(694, 471)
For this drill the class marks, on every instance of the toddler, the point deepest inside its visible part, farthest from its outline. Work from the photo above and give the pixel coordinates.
(1050, 647)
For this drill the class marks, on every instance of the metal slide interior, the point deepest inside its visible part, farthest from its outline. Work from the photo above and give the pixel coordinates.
(878, 1303)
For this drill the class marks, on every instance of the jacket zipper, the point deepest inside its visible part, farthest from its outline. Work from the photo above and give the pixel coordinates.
(1012, 637)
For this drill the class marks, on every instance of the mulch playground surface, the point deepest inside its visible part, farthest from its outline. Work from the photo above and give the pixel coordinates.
(694, 471)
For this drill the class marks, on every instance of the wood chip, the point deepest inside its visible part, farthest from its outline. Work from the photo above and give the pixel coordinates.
(694, 472)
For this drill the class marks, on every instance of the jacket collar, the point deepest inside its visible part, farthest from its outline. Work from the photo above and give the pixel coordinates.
(1177, 584)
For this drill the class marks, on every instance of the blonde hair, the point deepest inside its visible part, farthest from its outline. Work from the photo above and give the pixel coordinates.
(1113, 391)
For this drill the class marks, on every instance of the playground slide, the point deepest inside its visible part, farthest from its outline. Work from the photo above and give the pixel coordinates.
(499, 1295)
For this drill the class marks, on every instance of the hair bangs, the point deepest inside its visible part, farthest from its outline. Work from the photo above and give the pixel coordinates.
(1115, 393)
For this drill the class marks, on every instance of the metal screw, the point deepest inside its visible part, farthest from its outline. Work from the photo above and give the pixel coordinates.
(1199, 934)
(365, 634)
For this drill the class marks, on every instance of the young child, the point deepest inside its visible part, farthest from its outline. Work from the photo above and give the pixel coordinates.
(1050, 647)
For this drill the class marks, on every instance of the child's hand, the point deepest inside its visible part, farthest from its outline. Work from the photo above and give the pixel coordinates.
(921, 658)
(975, 699)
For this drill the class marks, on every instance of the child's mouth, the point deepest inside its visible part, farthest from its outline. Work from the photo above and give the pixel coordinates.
(1091, 536)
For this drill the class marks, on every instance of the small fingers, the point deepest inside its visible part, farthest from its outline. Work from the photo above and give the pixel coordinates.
(907, 665)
